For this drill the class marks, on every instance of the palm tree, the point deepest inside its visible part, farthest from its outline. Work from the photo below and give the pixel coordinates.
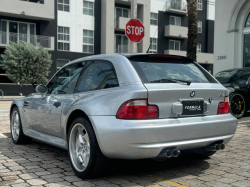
(192, 29)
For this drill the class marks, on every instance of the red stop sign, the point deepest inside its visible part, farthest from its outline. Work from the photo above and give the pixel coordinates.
(135, 30)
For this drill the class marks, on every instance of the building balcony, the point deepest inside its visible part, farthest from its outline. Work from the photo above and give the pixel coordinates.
(124, 49)
(36, 10)
(176, 31)
(177, 7)
(45, 41)
(203, 58)
(120, 23)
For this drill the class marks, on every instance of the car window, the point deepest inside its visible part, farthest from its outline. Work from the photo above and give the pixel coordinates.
(225, 76)
(97, 75)
(241, 78)
(151, 71)
(65, 80)
(235, 77)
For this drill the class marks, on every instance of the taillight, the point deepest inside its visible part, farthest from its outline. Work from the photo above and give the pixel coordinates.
(138, 109)
(224, 107)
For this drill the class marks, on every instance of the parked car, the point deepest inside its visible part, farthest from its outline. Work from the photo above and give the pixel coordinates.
(126, 107)
(237, 81)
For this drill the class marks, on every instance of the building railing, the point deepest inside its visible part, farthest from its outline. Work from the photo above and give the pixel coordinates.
(124, 49)
(7, 37)
(179, 5)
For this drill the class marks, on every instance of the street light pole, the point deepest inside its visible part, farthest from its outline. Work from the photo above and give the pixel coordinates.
(133, 46)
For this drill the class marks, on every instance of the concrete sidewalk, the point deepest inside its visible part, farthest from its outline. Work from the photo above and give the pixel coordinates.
(9, 98)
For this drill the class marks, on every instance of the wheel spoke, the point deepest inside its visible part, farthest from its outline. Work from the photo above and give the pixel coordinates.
(86, 137)
(17, 117)
(81, 140)
(17, 131)
(85, 159)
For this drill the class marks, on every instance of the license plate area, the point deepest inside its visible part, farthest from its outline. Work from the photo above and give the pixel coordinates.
(193, 108)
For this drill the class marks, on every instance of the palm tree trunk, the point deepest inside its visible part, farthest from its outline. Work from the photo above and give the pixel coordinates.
(192, 29)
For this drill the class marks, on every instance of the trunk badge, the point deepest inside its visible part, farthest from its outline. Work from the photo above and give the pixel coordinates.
(210, 100)
(222, 95)
(192, 94)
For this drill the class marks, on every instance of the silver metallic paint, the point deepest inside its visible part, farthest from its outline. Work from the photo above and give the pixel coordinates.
(132, 139)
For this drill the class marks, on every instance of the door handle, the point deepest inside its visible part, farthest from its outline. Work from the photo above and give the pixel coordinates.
(57, 104)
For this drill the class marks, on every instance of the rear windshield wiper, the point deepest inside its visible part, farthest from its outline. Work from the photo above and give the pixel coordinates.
(170, 81)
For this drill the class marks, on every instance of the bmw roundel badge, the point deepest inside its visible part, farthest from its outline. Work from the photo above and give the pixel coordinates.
(210, 100)
(192, 94)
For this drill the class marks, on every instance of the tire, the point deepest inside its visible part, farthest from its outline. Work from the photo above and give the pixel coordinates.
(237, 105)
(85, 155)
(16, 128)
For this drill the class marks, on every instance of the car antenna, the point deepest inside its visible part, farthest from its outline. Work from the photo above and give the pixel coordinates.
(148, 48)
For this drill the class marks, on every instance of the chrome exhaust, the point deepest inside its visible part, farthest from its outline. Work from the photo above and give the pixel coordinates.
(222, 146)
(169, 153)
(176, 153)
(215, 147)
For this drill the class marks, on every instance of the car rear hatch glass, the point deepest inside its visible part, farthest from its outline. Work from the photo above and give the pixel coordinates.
(178, 85)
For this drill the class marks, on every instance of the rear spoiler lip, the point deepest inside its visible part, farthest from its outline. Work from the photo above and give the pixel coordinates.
(160, 56)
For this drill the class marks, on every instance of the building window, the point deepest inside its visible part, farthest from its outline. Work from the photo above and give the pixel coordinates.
(88, 8)
(35, 1)
(175, 21)
(13, 31)
(153, 45)
(121, 12)
(199, 26)
(88, 41)
(61, 63)
(63, 5)
(63, 39)
(200, 4)
(153, 18)
(198, 48)
(121, 44)
(174, 45)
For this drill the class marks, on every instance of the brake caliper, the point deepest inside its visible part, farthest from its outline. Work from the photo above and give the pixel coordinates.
(239, 105)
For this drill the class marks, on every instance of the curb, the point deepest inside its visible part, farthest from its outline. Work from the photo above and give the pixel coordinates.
(9, 98)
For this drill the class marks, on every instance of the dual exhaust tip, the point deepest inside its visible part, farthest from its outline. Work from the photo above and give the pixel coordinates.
(175, 152)
(215, 147)
(172, 153)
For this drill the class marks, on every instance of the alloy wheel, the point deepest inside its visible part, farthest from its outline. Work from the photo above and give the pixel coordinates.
(79, 147)
(237, 105)
(15, 125)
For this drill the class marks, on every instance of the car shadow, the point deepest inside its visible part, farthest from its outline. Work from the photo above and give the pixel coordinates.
(38, 157)
(195, 164)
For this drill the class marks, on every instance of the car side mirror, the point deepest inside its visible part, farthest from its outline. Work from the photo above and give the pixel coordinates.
(42, 90)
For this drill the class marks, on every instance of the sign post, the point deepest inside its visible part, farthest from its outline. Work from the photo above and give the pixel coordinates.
(135, 30)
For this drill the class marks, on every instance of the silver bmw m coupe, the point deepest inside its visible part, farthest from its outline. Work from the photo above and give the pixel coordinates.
(126, 107)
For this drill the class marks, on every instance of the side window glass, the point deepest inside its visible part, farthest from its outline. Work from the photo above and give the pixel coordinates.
(97, 75)
(244, 79)
(66, 79)
(51, 84)
(241, 78)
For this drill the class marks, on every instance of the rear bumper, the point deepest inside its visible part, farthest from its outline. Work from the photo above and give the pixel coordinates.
(137, 139)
